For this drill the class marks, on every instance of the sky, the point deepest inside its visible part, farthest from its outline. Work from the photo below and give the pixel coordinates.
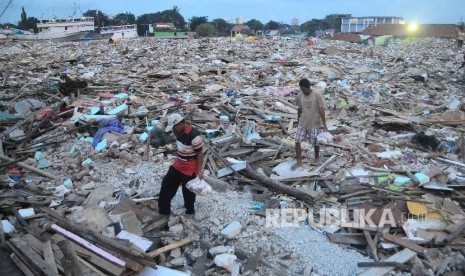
(420, 11)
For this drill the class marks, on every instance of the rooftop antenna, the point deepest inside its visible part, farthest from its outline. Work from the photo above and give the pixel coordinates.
(6, 7)
(74, 13)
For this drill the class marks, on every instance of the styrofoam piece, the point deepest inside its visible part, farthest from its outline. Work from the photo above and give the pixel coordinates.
(138, 241)
(25, 213)
(161, 271)
(7, 226)
(283, 171)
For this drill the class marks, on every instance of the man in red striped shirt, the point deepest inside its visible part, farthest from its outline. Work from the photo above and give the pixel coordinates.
(187, 166)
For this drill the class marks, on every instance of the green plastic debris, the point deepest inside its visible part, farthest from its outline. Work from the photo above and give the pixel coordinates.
(121, 96)
(38, 155)
(68, 182)
(100, 146)
(42, 164)
(94, 110)
(87, 162)
(343, 103)
(118, 109)
(143, 137)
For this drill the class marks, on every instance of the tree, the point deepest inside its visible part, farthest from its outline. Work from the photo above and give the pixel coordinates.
(172, 16)
(272, 25)
(101, 19)
(222, 27)
(123, 19)
(27, 23)
(196, 21)
(255, 25)
(334, 21)
(167, 16)
(205, 29)
(143, 21)
(313, 25)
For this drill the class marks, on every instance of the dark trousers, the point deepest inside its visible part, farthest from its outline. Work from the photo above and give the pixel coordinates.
(169, 187)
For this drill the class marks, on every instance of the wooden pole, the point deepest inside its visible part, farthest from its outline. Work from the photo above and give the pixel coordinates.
(31, 168)
(277, 186)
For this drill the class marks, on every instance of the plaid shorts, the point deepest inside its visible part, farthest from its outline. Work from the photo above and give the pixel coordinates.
(308, 134)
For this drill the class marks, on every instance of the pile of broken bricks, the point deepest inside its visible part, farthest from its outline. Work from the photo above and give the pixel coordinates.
(396, 144)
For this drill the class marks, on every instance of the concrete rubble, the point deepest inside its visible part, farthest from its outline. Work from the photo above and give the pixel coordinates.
(83, 153)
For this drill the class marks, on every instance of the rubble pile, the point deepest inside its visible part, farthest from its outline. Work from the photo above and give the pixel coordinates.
(83, 152)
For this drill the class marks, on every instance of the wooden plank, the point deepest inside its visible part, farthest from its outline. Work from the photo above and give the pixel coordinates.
(96, 260)
(31, 257)
(262, 155)
(156, 225)
(400, 257)
(278, 186)
(31, 168)
(169, 247)
(49, 257)
(357, 239)
(371, 244)
(90, 266)
(457, 232)
(70, 260)
(88, 245)
(2, 234)
(378, 264)
(134, 259)
(21, 265)
(405, 243)
(356, 194)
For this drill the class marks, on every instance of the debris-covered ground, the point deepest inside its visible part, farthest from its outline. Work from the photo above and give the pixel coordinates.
(83, 153)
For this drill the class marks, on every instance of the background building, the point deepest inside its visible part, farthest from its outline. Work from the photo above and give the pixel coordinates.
(359, 24)
(295, 22)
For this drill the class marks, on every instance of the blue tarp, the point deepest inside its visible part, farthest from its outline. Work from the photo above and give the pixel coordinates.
(106, 126)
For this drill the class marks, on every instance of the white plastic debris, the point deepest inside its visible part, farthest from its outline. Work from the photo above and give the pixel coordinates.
(7, 226)
(140, 242)
(25, 213)
(324, 137)
(199, 186)
(225, 261)
(233, 229)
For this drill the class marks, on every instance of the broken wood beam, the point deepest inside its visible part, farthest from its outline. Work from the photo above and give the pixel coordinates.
(169, 247)
(400, 257)
(31, 168)
(103, 264)
(88, 245)
(70, 260)
(2, 233)
(21, 265)
(405, 243)
(133, 259)
(31, 258)
(371, 244)
(9, 163)
(378, 264)
(457, 232)
(156, 225)
(49, 257)
(277, 186)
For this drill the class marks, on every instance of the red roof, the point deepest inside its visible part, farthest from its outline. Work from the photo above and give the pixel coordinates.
(238, 28)
(349, 37)
(164, 26)
(425, 30)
